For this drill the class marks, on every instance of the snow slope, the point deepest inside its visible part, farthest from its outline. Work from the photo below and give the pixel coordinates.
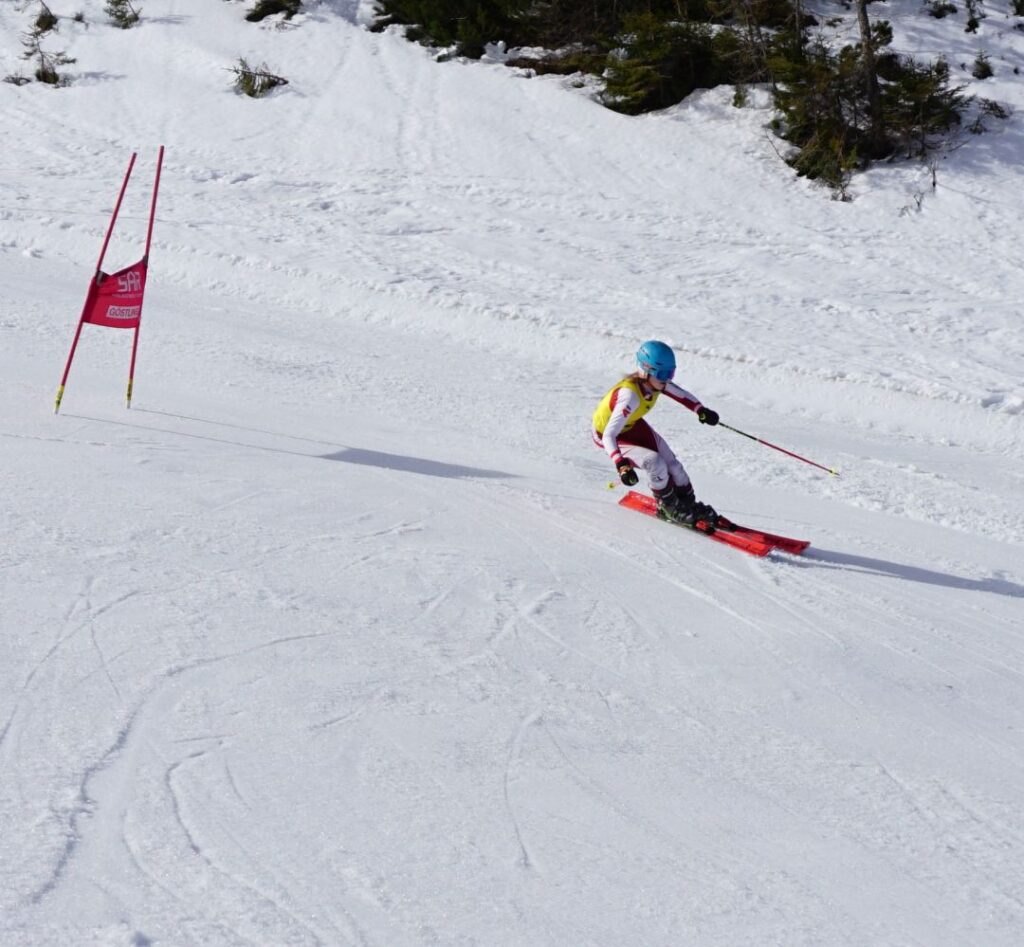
(338, 637)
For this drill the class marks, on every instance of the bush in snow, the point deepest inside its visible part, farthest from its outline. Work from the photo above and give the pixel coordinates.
(255, 82)
(941, 9)
(46, 63)
(974, 16)
(122, 13)
(265, 8)
(982, 68)
(46, 21)
(987, 108)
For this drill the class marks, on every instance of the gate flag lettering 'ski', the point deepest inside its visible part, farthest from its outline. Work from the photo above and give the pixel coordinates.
(115, 299)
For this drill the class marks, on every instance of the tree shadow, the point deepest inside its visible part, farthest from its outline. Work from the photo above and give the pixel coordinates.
(814, 558)
(350, 455)
(90, 77)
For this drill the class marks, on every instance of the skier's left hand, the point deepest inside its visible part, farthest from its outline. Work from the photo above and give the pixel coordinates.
(707, 416)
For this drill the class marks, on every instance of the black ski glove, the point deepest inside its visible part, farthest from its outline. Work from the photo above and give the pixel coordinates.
(707, 416)
(627, 474)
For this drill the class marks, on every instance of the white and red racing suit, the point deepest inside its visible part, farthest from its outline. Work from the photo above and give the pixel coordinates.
(620, 429)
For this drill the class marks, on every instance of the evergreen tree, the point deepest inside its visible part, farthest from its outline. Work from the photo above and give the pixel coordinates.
(920, 106)
(466, 24)
(46, 62)
(827, 113)
(875, 139)
(817, 96)
(659, 64)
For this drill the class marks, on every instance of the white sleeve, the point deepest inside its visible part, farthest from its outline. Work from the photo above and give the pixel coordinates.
(626, 402)
(683, 396)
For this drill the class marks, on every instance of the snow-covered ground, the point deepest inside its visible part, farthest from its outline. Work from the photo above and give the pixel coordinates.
(338, 636)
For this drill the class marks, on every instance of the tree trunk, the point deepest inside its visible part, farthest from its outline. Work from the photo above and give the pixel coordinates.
(877, 130)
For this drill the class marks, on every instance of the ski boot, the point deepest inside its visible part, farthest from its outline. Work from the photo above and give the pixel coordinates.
(675, 504)
(705, 518)
(679, 505)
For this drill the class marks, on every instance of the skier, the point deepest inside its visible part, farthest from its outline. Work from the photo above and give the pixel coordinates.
(620, 428)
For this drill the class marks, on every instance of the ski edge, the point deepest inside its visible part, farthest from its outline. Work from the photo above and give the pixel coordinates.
(785, 543)
(755, 541)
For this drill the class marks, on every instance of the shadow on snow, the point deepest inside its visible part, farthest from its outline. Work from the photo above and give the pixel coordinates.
(845, 562)
(349, 455)
(430, 468)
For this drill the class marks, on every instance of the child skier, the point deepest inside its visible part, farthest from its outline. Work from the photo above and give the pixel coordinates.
(620, 428)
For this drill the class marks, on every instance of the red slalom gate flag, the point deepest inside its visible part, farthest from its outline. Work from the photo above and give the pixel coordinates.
(115, 299)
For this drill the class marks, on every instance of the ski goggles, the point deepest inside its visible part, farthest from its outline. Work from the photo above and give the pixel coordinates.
(662, 374)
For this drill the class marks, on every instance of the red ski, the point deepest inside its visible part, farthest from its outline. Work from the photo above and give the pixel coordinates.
(752, 541)
(785, 543)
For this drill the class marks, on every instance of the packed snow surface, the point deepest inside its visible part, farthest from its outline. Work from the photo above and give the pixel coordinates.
(337, 636)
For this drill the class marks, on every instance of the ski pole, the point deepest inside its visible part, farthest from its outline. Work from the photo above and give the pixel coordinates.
(783, 450)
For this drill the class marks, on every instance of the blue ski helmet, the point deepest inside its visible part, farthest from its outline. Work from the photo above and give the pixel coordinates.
(657, 359)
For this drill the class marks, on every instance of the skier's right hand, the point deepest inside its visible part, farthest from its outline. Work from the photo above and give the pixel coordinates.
(627, 474)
